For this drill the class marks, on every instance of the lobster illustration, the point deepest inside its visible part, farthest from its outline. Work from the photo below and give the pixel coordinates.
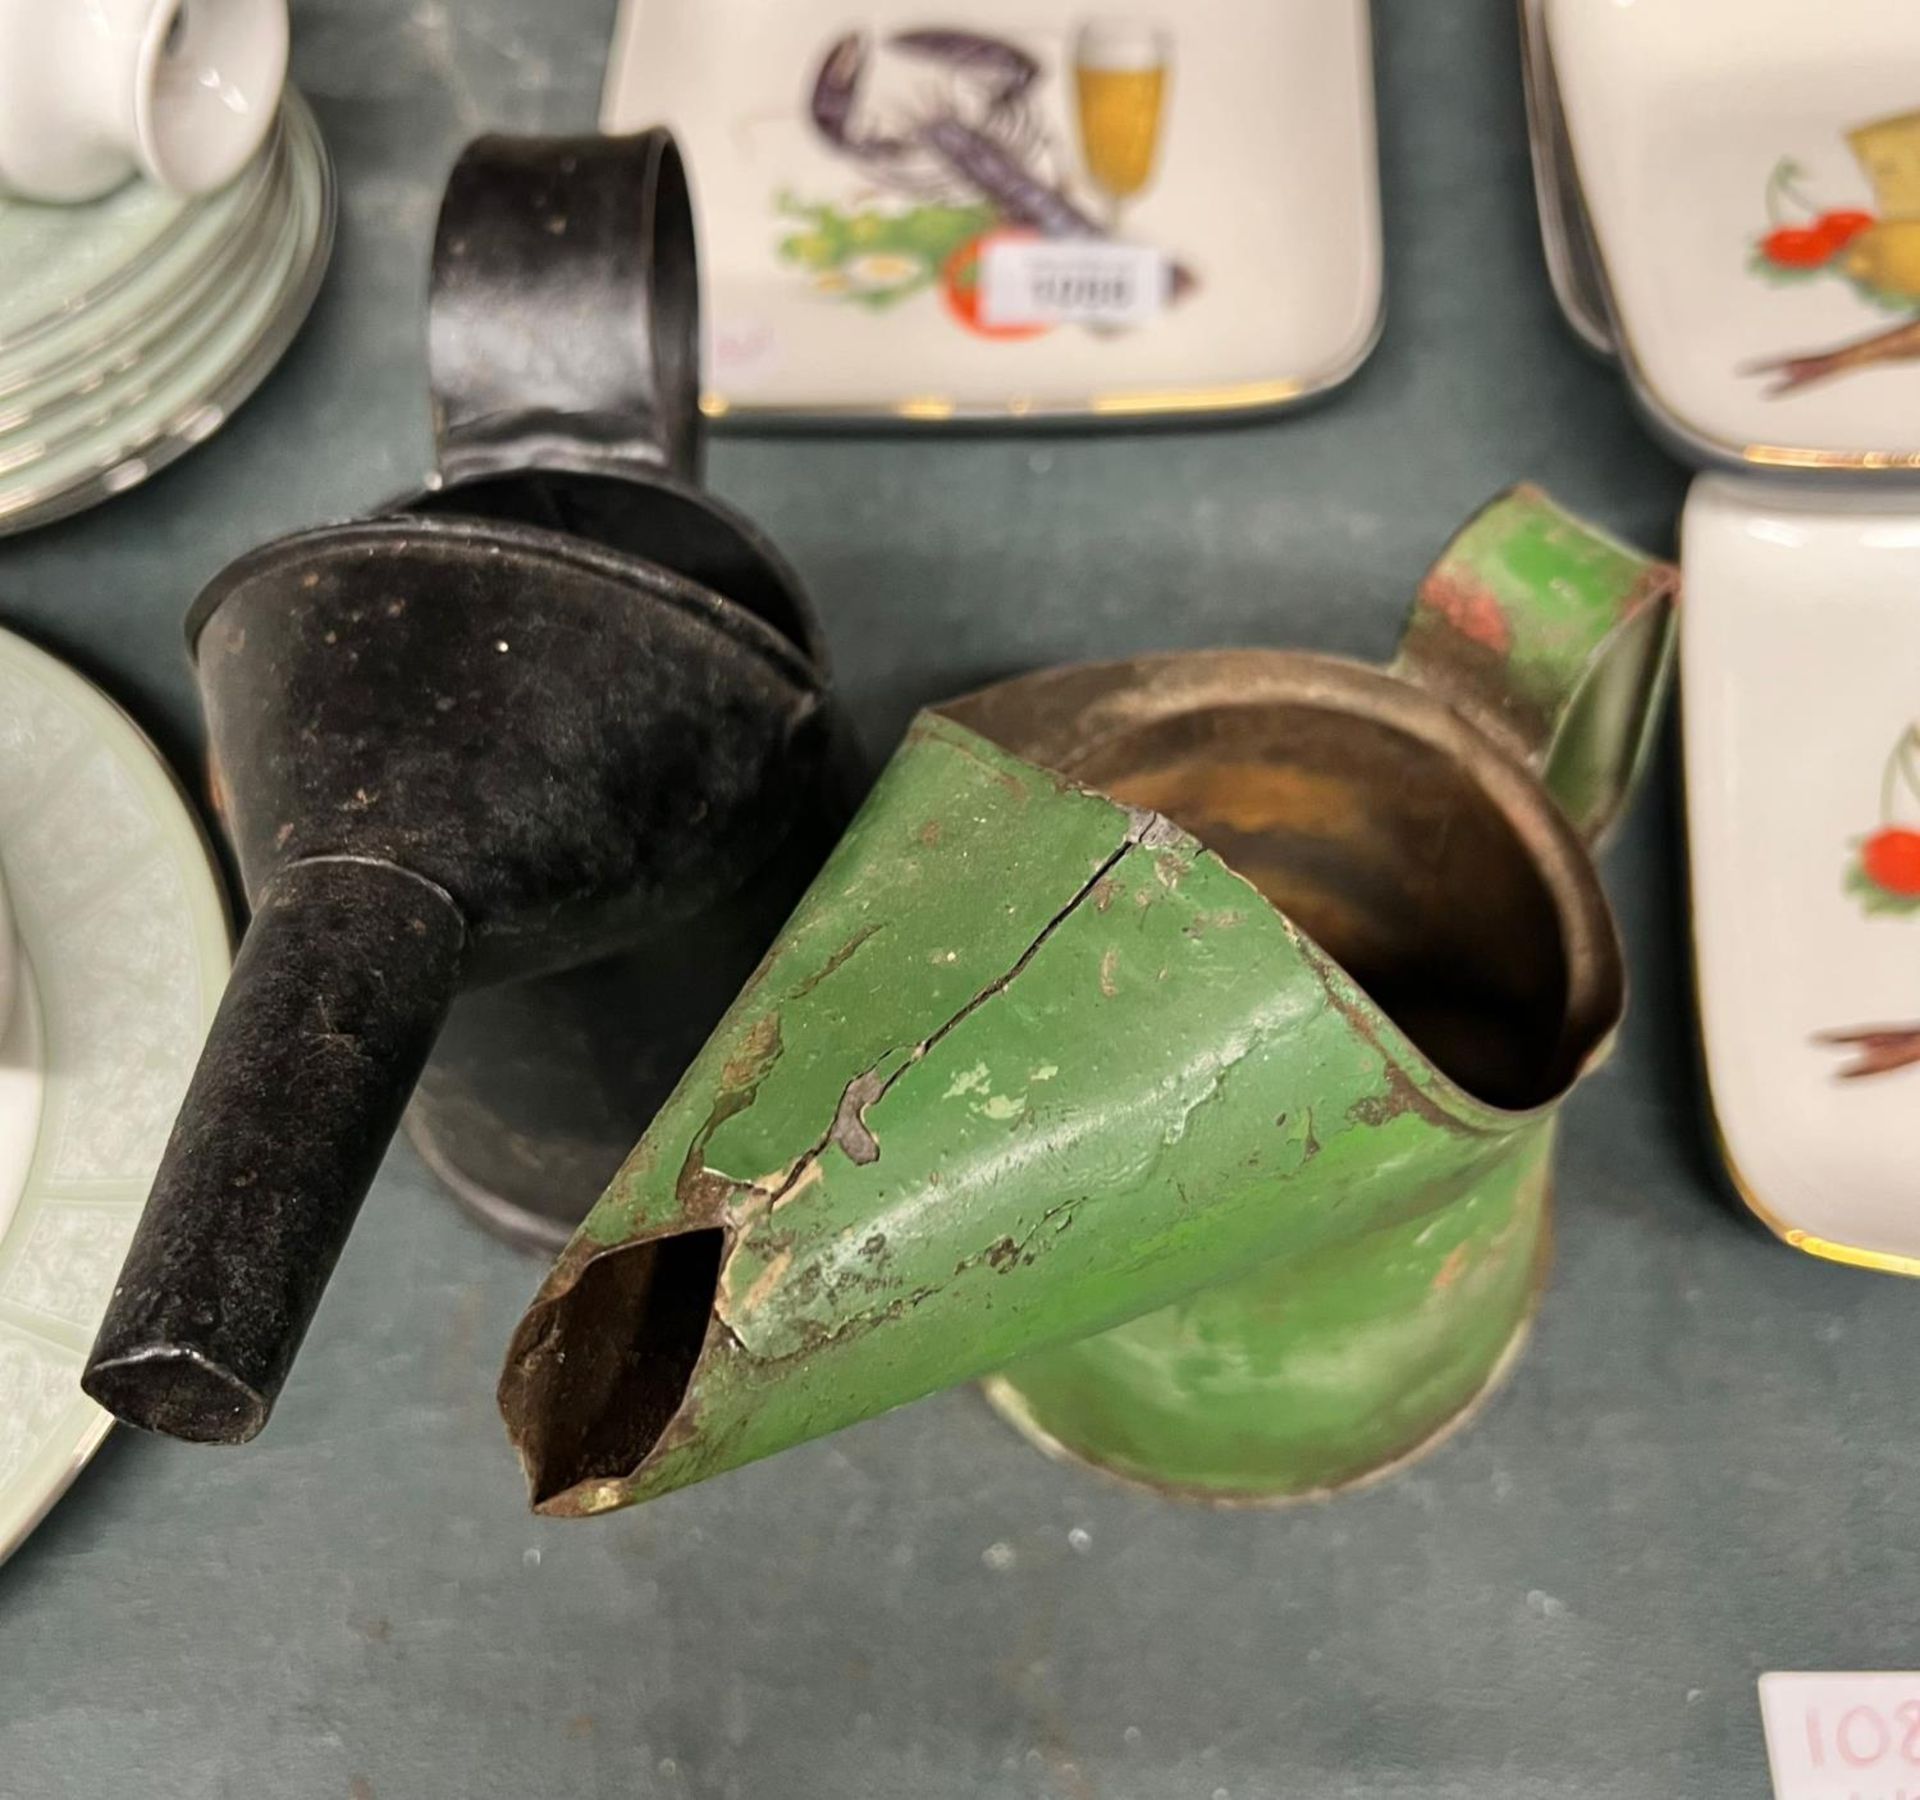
(974, 134)
(977, 135)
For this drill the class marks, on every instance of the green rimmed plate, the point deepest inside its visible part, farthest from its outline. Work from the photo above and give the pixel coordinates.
(135, 420)
(117, 335)
(88, 272)
(122, 922)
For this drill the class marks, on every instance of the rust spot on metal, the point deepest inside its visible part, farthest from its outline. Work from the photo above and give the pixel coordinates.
(1403, 1095)
(759, 1051)
(1202, 922)
(1376, 1109)
(702, 1190)
(1473, 610)
(838, 960)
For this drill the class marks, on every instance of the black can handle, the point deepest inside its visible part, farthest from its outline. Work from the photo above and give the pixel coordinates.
(564, 314)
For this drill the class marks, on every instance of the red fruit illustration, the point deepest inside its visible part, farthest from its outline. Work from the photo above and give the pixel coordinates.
(1890, 859)
(1841, 228)
(1885, 879)
(1886, 876)
(1798, 247)
(1877, 251)
(960, 283)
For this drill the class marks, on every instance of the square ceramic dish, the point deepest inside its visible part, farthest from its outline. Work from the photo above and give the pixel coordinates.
(881, 191)
(1802, 738)
(1566, 239)
(1751, 172)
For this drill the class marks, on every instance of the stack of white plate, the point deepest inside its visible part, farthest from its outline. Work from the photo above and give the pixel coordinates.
(131, 327)
(1730, 198)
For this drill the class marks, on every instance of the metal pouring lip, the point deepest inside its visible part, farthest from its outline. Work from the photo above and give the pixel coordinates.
(642, 577)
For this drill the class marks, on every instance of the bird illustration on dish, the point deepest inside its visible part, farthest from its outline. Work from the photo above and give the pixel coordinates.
(1877, 251)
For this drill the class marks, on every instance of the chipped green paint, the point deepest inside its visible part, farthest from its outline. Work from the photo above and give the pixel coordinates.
(1033, 1083)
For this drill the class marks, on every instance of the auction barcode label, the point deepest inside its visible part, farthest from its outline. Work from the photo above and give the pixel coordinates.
(1842, 1737)
(1024, 281)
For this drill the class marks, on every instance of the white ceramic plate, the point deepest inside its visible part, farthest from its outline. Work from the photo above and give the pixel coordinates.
(841, 283)
(122, 923)
(1700, 130)
(1800, 644)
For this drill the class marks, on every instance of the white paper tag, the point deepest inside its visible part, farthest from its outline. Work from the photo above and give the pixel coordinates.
(1030, 281)
(1842, 1737)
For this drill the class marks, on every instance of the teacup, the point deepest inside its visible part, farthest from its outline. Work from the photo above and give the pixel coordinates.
(181, 91)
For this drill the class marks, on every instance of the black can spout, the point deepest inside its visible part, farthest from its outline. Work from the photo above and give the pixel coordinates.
(339, 990)
(573, 710)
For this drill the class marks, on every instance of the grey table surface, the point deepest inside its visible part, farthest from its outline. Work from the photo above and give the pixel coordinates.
(1702, 1468)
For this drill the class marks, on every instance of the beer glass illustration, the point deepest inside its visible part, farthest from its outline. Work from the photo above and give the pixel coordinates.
(1120, 69)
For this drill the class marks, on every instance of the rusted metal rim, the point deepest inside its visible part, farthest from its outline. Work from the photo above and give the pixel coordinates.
(1069, 719)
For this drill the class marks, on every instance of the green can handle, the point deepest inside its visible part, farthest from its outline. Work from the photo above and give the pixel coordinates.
(1556, 640)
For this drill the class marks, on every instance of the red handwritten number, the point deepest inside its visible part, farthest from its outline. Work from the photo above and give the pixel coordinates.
(1908, 1713)
(1816, 1744)
(1844, 1737)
